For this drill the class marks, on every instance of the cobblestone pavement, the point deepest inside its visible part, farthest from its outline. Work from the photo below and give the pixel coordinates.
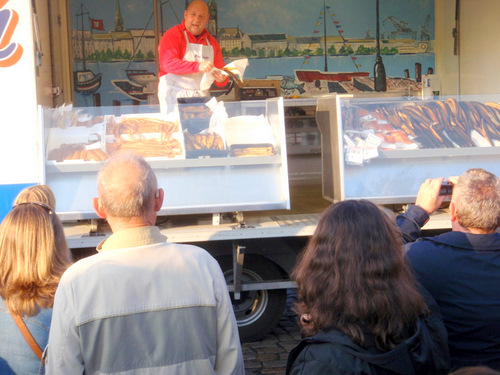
(269, 355)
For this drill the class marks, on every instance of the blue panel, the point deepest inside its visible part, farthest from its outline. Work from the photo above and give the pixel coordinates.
(7, 195)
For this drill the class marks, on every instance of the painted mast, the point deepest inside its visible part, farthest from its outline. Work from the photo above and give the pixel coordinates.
(83, 38)
(379, 69)
(85, 81)
(324, 35)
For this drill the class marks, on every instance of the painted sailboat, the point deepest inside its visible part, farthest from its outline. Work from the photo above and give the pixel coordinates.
(133, 90)
(313, 75)
(85, 80)
(141, 76)
(309, 75)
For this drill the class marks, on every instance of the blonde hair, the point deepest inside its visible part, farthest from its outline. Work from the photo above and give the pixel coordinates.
(37, 193)
(33, 256)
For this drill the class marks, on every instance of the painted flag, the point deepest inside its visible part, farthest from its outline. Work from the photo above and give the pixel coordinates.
(335, 22)
(97, 24)
(318, 23)
(316, 31)
(338, 26)
(341, 31)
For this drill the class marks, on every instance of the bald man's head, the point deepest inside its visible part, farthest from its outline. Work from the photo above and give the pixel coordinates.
(127, 185)
(196, 17)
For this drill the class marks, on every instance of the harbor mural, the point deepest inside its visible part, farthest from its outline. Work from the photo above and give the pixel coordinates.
(312, 48)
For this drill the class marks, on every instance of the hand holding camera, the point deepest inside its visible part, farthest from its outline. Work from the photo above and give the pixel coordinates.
(429, 195)
(446, 188)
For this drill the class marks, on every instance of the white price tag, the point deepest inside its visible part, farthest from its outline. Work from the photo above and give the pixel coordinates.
(370, 153)
(370, 150)
(373, 140)
(354, 155)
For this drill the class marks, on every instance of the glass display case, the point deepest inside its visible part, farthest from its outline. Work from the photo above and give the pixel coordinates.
(210, 157)
(383, 148)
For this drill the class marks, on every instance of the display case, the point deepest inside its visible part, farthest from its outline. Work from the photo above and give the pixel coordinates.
(383, 148)
(224, 158)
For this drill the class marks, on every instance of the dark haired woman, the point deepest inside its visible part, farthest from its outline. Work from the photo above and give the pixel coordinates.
(359, 307)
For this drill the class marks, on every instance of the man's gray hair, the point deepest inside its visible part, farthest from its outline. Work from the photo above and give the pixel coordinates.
(477, 199)
(127, 185)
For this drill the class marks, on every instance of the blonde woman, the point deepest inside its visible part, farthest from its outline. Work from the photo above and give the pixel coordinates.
(33, 256)
(37, 193)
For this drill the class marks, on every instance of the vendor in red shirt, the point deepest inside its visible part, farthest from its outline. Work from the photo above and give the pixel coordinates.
(186, 52)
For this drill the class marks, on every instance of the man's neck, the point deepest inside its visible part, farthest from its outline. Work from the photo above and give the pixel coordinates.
(458, 228)
(118, 224)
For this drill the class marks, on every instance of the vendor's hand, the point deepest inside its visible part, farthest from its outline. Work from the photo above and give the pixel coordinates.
(205, 66)
(428, 196)
(218, 75)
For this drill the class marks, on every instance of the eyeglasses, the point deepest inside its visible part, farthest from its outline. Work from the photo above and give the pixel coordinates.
(43, 205)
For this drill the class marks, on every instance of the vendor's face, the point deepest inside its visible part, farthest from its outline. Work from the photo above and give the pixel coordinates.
(196, 17)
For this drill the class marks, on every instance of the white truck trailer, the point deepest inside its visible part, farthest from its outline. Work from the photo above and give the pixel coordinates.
(253, 213)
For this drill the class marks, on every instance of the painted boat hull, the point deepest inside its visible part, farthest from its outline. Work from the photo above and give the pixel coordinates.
(141, 77)
(131, 89)
(86, 82)
(304, 75)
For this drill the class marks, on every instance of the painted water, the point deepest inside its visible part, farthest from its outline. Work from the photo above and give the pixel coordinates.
(395, 66)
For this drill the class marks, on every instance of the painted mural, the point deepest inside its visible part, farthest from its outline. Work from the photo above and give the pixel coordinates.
(312, 48)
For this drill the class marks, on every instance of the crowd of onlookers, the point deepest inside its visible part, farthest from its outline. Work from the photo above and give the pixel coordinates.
(374, 296)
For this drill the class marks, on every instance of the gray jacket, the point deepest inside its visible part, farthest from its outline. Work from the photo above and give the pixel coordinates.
(153, 309)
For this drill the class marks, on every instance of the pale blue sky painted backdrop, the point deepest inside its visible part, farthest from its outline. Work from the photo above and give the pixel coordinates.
(294, 17)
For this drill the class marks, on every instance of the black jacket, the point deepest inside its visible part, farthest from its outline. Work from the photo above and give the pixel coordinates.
(332, 352)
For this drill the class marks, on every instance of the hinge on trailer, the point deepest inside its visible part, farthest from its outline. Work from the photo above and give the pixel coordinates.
(236, 217)
(238, 259)
(240, 220)
(216, 218)
(94, 228)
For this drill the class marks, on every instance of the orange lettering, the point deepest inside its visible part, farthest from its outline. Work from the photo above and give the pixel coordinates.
(10, 53)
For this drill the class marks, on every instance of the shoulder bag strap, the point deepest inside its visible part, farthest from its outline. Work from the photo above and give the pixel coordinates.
(28, 336)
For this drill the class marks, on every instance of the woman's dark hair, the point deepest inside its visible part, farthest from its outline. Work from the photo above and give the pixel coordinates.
(354, 276)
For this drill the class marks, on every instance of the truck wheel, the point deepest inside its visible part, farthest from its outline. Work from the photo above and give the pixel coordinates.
(257, 311)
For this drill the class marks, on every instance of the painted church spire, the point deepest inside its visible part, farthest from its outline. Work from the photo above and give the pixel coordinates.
(212, 23)
(118, 18)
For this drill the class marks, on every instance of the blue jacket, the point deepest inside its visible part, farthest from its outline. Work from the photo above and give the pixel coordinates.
(462, 272)
(16, 357)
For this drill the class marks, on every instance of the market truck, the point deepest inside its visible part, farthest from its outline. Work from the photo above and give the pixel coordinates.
(256, 255)
(253, 203)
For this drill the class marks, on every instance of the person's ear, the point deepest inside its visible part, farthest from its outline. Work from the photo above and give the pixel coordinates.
(96, 205)
(159, 199)
(453, 211)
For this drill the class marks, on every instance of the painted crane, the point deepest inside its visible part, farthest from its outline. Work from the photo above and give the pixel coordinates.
(424, 30)
(401, 26)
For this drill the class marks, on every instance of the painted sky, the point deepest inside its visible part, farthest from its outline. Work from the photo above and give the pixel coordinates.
(294, 17)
